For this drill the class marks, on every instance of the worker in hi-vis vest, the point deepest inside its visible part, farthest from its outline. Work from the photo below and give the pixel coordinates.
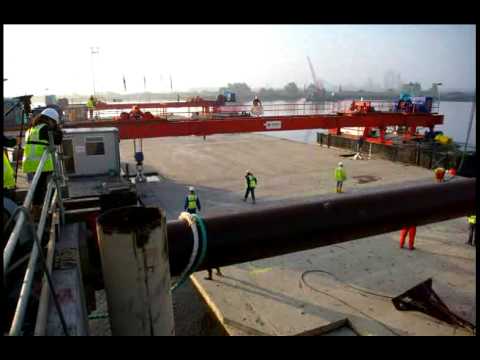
(8, 188)
(36, 142)
(251, 185)
(340, 176)
(472, 221)
(8, 172)
(91, 103)
(192, 202)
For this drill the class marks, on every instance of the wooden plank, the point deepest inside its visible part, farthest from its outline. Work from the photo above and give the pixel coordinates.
(81, 211)
(70, 201)
(67, 280)
(80, 203)
(322, 330)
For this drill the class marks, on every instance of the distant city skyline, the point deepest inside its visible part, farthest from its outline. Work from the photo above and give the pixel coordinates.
(60, 59)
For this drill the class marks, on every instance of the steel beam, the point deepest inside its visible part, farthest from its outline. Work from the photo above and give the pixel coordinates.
(263, 233)
(130, 129)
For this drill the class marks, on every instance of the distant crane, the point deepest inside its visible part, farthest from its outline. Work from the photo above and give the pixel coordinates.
(319, 93)
(316, 82)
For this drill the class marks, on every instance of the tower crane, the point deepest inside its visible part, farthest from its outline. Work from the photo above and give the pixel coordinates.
(317, 83)
(319, 89)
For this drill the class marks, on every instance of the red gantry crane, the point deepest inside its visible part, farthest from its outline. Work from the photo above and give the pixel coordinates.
(206, 117)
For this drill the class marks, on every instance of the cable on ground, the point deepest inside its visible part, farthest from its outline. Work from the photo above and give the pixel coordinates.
(303, 280)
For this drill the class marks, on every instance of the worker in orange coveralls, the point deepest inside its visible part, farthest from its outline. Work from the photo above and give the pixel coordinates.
(411, 231)
(136, 113)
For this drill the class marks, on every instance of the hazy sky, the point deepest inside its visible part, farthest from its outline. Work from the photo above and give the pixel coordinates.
(58, 58)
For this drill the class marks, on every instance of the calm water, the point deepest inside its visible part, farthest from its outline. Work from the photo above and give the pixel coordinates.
(457, 116)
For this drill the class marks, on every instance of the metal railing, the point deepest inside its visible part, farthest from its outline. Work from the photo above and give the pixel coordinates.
(189, 113)
(24, 219)
(245, 109)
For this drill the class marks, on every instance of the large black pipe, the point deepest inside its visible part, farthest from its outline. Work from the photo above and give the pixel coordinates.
(263, 233)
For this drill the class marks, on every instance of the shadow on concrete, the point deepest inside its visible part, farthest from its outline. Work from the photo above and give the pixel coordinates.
(192, 315)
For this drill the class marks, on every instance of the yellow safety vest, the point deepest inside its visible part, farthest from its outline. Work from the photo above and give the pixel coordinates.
(33, 152)
(252, 182)
(8, 175)
(340, 174)
(192, 201)
(90, 104)
(472, 219)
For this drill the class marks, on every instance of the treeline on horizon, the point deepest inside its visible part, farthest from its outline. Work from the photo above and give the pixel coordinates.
(290, 92)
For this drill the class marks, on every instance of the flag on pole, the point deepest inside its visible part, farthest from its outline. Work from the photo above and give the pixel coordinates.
(124, 83)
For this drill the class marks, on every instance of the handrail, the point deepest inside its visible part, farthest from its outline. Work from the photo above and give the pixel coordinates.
(28, 279)
(57, 175)
(13, 238)
(22, 219)
(191, 110)
(42, 314)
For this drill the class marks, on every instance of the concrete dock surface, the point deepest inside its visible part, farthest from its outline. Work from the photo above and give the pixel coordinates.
(309, 291)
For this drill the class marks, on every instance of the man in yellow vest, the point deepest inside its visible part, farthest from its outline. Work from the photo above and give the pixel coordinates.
(192, 202)
(472, 221)
(251, 185)
(340, 176)
(8, 173)
(91, 103)
(36, 142)
(8, 187)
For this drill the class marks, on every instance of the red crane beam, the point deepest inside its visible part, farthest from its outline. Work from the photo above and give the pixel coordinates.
(174, 104)
(132, 129)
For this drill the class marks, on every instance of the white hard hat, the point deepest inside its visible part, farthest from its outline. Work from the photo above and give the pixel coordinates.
(340, 164)
(191, 188)
(51, 113)
(248, 171)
